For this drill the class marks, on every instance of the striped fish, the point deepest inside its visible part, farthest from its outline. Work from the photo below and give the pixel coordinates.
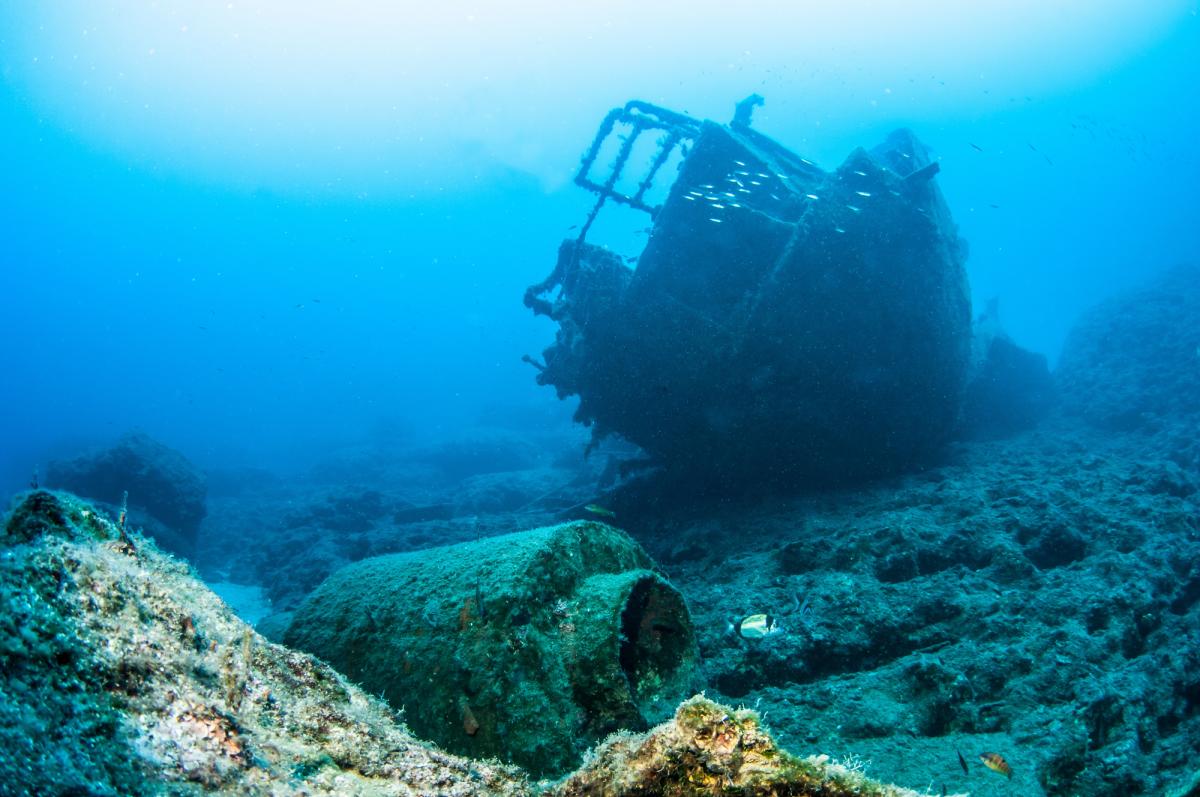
(996, 763)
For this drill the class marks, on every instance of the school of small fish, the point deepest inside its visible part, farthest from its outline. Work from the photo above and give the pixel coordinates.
(740, 180)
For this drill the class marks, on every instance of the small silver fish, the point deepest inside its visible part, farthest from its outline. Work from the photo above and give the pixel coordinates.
(812, 196)
(863, 193)
(856, 210)
(715, 221)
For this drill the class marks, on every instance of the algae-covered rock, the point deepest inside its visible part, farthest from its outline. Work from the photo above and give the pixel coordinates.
(708, 749)
(121, 673)
(160, 482)
(528, 646)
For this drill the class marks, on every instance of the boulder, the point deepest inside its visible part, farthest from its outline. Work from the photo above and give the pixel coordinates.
(478, 450)
(1133, 362)
(160, 482)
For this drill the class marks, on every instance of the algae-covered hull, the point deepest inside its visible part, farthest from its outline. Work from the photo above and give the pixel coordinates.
(529, 647)
(782, 322)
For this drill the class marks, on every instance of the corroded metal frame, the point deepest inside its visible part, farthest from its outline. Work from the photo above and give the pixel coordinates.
(679, 130)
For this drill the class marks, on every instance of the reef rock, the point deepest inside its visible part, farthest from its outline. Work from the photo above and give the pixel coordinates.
(1038, 598)
(708, 749)
(1133, 362)
(121, 673)
(160, 481)
(506, 491)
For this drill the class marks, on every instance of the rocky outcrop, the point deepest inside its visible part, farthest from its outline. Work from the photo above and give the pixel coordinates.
(1038, 598)
(711, 750)
(123, 674)
(1133, 362)
(160, 483)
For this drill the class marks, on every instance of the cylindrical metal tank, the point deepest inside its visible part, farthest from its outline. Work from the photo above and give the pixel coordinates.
(529, 647)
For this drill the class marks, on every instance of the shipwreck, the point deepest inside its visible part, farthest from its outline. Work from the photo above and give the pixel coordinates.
(783, 322)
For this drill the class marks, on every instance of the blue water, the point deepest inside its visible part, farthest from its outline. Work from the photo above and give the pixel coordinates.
(259, 231)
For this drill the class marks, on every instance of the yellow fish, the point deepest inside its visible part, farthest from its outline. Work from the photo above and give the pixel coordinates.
(996, 763)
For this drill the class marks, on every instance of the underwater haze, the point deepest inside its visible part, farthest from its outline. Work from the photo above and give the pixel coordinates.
(486, 398)
(258, 229)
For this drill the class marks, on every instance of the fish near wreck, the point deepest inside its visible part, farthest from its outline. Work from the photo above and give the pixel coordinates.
(754, 626)
(799, 340)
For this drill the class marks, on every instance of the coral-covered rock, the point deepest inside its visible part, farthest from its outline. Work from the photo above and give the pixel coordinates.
(708, 749)
(123, 674)
(1134, 361)
(160, 481)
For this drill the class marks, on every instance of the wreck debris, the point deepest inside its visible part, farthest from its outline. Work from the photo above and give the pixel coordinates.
(548, 641)
(782, 322)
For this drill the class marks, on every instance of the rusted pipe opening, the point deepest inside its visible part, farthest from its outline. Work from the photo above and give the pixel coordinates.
(656, 642)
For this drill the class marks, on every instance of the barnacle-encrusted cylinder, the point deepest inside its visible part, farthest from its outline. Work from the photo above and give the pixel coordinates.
(529, 647)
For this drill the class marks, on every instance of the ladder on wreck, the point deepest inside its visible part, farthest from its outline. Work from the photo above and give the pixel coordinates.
(678, 132)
